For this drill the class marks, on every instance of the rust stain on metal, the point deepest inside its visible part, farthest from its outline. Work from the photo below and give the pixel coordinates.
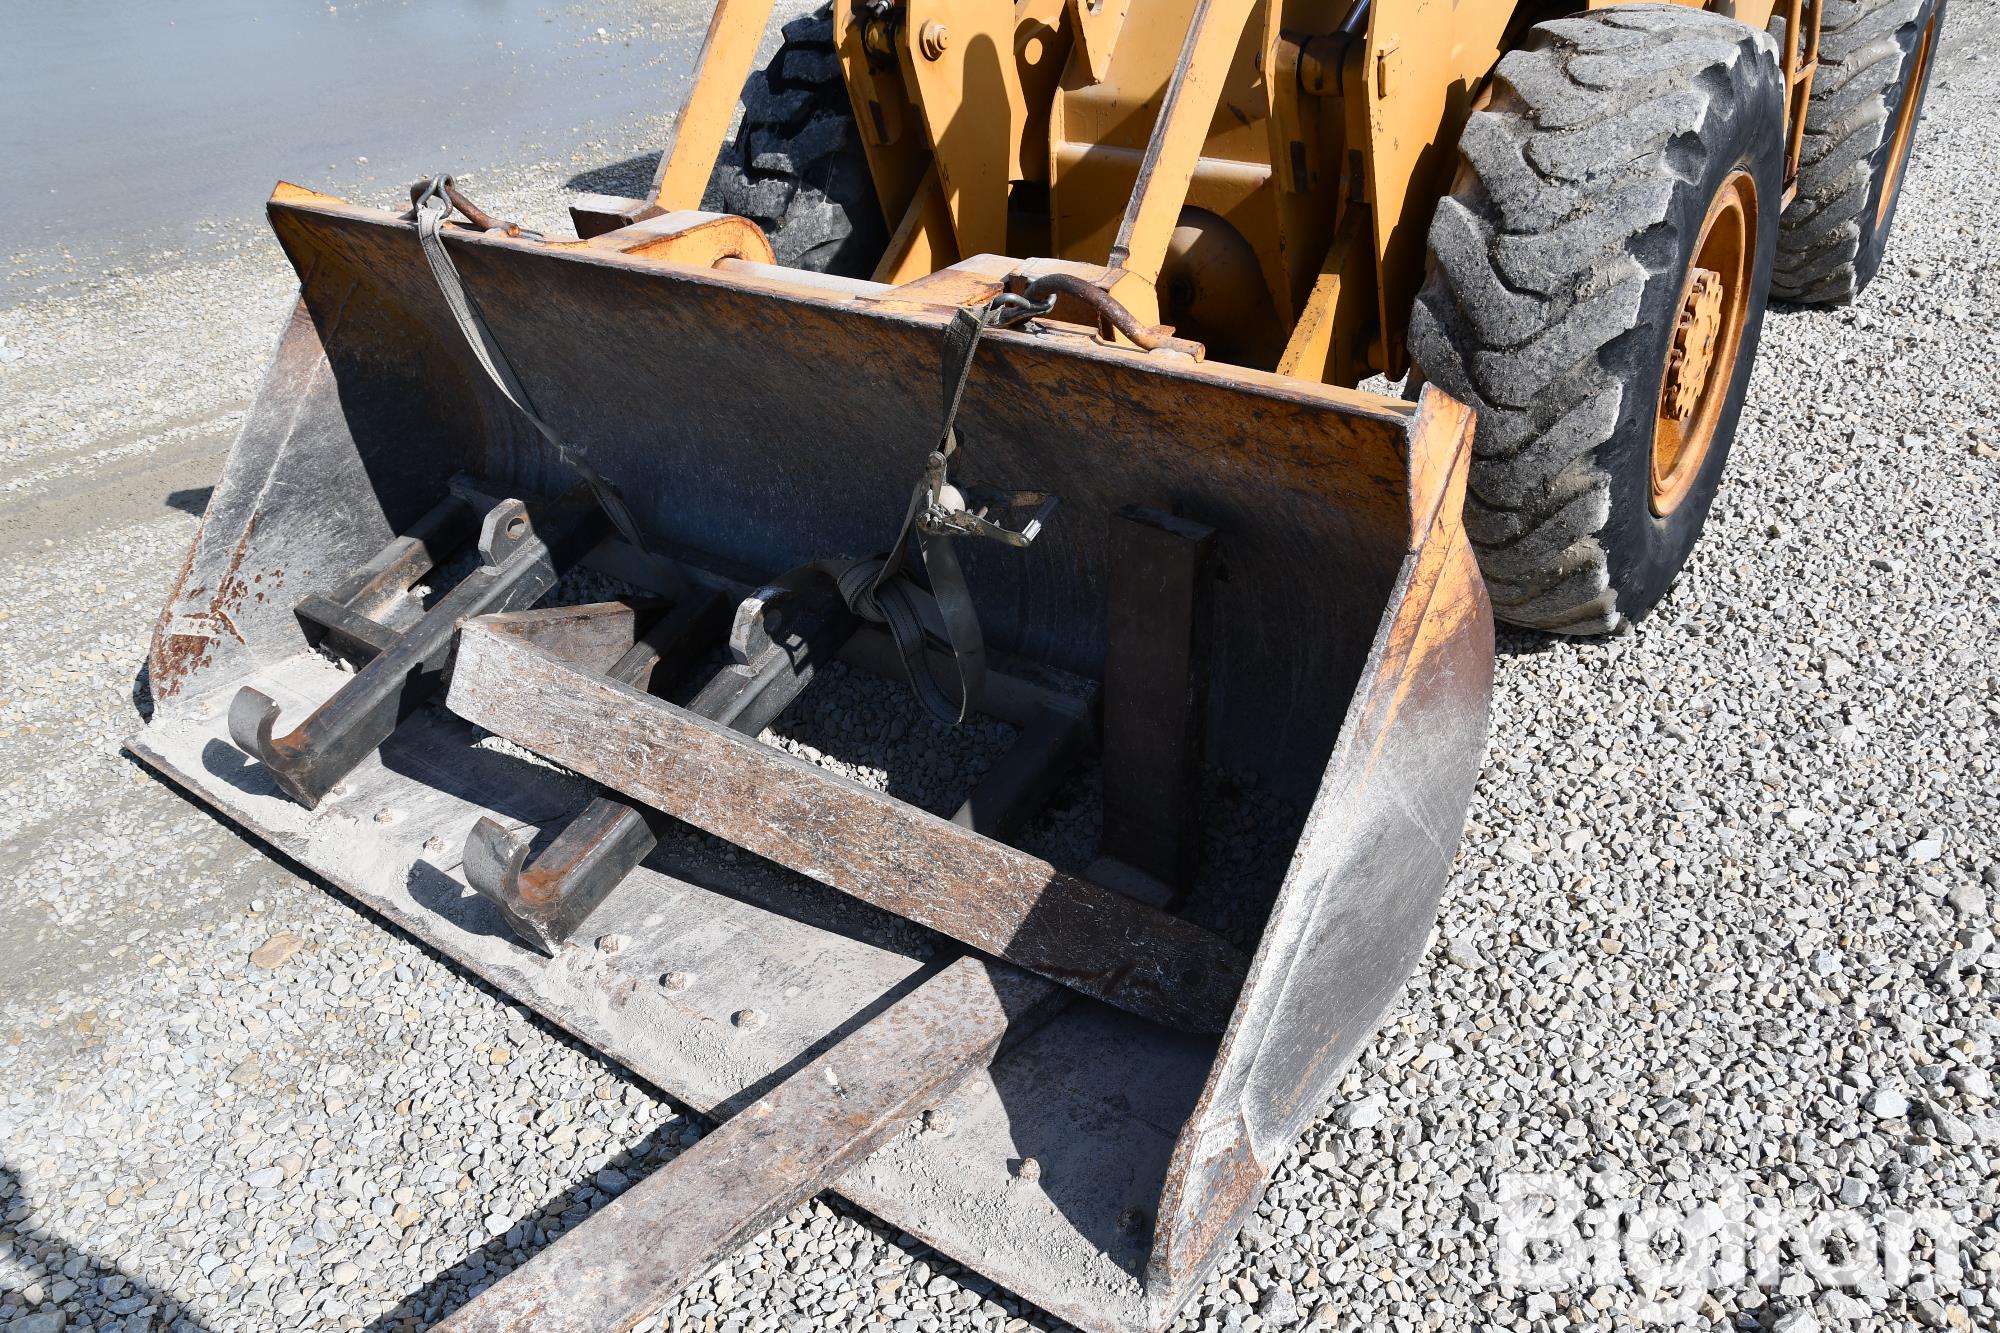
(1201, 1207)
(177, 653)
(231, 588)
(174, 658)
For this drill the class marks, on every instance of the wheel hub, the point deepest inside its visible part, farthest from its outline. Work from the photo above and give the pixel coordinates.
(1705, 345)
(1693, 353)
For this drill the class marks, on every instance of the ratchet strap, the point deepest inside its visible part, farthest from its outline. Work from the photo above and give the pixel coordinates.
(885, 589)
(434, 201)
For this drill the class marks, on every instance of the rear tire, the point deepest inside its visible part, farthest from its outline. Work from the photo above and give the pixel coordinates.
(1867, 98)
(1561, 265)
(796, 167)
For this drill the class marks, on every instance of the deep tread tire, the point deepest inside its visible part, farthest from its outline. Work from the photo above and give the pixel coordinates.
(796, 167)
(1557, 267)
(1830, 242)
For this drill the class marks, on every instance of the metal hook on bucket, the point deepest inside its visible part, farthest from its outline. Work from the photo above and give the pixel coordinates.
(442, 187)
(1111, 313)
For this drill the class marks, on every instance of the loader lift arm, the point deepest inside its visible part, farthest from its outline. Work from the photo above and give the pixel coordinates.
(1352, 109)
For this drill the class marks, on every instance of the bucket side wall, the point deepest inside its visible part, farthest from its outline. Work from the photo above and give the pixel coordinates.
(1350, 923)
(356, 431)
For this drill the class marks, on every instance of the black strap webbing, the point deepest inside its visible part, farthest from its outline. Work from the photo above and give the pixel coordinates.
(432, 208)
(882, 590)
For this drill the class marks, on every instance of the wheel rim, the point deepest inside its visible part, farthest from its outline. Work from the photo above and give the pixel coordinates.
(1706, 342)
(1906, 123)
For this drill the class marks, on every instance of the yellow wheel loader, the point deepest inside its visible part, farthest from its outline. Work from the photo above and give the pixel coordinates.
(999, 375)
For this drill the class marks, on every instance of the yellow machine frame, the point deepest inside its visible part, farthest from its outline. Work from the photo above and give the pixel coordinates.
(1281, 159)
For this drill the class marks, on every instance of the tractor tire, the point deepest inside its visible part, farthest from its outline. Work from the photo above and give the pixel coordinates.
(796, 167)
(1861, 119)
(1616, 148)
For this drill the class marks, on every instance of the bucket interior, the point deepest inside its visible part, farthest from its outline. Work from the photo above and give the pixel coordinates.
(752, 431)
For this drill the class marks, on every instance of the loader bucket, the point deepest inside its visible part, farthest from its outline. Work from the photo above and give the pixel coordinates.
(755, 422)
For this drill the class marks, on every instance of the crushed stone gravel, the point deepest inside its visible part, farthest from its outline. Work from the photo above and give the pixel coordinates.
(1723, 917)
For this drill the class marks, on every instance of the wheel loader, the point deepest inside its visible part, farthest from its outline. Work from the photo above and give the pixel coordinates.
(995, 371)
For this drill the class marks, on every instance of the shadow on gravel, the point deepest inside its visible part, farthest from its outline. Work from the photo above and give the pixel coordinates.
(142, 692)
(193, 500)
(1510, 642)
(95, 1292)
(489, 1263)
(628, 179)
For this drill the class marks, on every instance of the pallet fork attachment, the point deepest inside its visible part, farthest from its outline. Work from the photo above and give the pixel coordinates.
(517, 564)
(544, 903)
(1252, 585)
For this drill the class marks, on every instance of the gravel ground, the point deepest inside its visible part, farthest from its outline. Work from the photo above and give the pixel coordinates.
(1719, 938)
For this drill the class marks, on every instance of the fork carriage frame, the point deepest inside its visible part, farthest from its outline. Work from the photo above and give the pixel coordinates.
(1333, 643)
